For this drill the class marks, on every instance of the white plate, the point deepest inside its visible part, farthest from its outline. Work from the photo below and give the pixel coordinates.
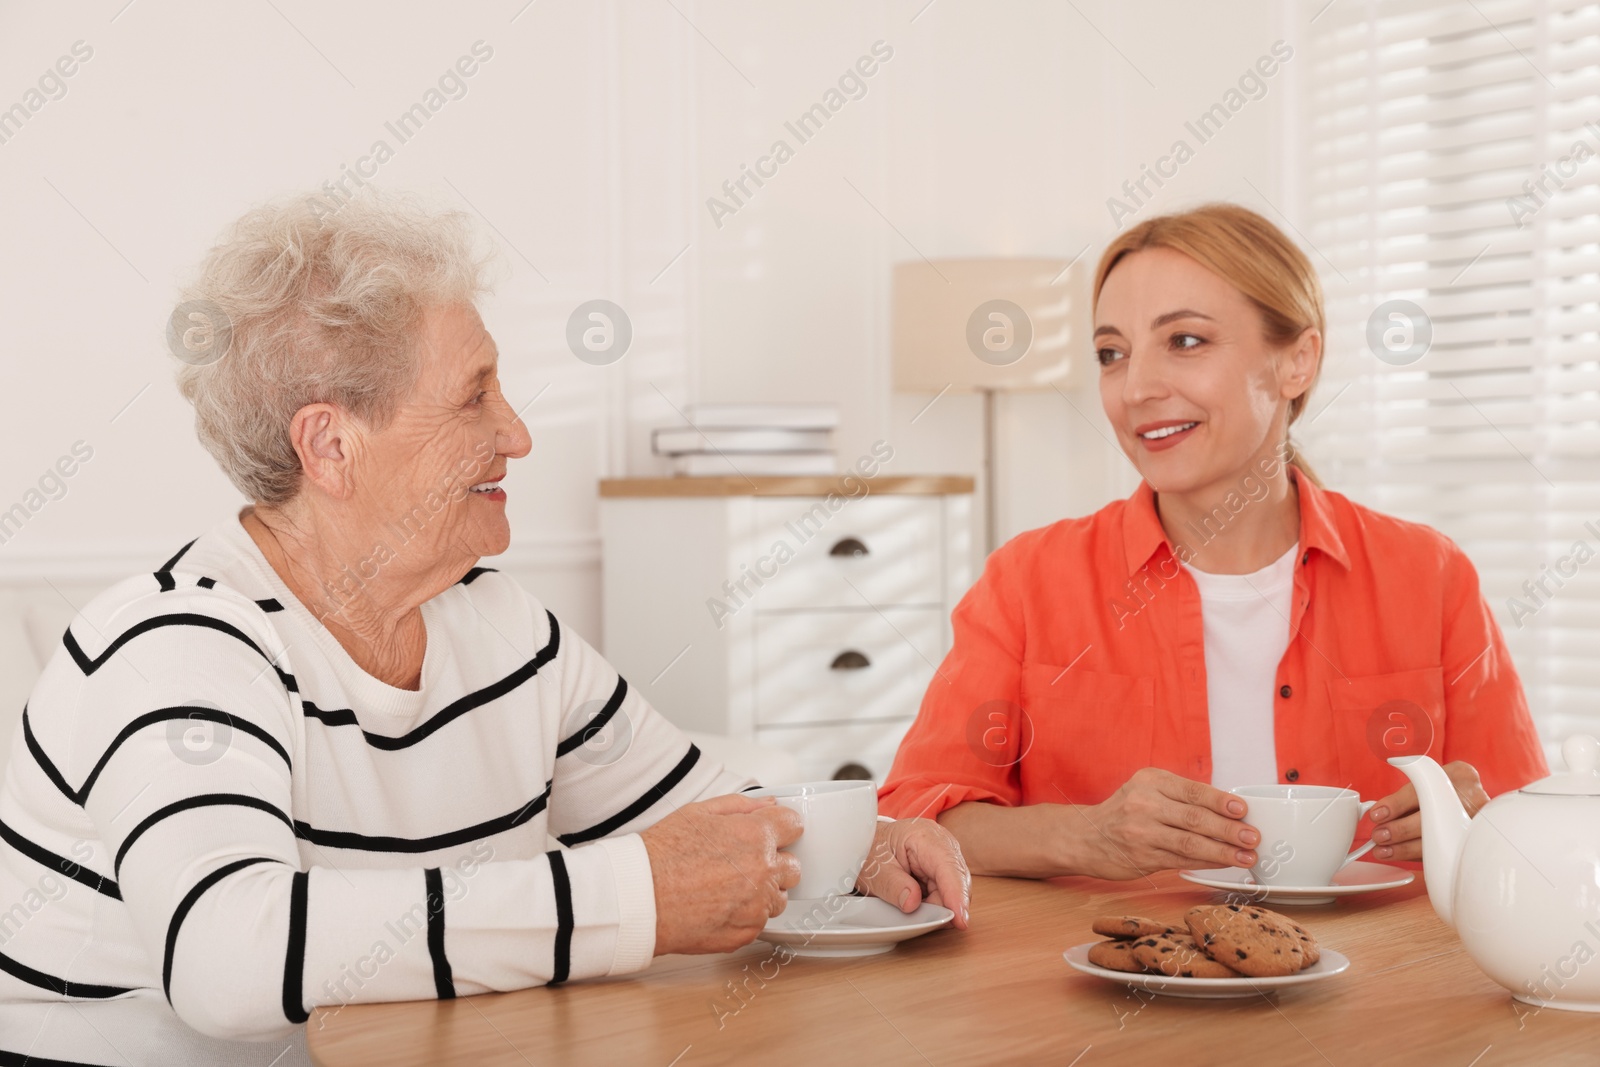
(1330, 964)
(1358, 877)
(849, 926)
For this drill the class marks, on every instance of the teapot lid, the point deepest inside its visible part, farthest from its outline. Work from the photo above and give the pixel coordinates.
(1582, 753)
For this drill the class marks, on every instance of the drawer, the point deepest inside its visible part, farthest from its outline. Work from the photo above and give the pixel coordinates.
(844, 666)
(822, 751)
(888, 548)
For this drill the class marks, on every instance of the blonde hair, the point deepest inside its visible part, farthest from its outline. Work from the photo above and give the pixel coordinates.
(321, 305)
(1252, 255)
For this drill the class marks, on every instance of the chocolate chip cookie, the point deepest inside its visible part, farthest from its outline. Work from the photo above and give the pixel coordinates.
(1131, 927)
(1253, 941)
(1115, 956)
(1178, 956)
(1308, 944)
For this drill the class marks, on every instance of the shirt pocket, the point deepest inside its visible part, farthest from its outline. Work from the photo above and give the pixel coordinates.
(1092, 730)
(1377, 716)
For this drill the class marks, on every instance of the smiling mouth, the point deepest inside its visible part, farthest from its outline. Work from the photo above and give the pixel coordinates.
(1168, 431)
(485, 487)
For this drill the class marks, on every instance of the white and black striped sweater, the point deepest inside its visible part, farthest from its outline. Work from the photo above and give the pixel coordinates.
(213, 815)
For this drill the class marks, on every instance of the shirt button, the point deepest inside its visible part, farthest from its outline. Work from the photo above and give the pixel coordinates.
(1285, 692)
(1305, 559)
(1291, 775)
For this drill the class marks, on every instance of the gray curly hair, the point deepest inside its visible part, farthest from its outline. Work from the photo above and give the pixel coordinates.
(323, 307)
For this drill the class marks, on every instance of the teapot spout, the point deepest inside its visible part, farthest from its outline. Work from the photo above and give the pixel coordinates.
(1444, 830)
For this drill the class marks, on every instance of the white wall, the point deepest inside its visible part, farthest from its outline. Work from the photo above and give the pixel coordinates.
(995, 129)
(572, 139)
(591, 140)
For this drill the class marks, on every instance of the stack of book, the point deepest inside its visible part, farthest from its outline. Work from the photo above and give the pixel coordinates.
(751, 439)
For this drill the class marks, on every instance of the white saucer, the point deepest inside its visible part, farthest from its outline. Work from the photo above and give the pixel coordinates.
(1358, 877)
(849, 926)
(1330, 964)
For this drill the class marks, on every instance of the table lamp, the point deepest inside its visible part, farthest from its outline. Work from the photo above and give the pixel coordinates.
(988, 326)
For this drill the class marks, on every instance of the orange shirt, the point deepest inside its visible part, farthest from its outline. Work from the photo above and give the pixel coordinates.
(1079, 658)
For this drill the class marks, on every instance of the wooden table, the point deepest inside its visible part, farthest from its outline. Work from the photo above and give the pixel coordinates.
(998, 993)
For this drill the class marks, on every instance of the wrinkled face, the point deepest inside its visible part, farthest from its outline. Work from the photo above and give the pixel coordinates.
(1188, 380)
(430, 478)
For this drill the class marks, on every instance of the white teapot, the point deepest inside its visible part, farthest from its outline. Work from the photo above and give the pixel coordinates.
(1520, 882)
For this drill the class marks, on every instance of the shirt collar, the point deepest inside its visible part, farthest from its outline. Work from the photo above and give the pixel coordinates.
(1142, 534)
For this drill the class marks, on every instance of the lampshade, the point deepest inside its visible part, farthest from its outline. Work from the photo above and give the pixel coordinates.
(999, 324)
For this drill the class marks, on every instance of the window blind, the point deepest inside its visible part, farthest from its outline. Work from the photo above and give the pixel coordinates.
(1454, 162)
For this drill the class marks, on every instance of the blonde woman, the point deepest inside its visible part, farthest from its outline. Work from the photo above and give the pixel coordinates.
(1231, 623)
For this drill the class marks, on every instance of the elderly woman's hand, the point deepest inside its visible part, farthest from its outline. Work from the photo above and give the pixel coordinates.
(719, 874)
(913, 860)
(1398, 817)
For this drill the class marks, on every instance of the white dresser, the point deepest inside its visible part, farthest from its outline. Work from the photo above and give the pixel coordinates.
(785, 610)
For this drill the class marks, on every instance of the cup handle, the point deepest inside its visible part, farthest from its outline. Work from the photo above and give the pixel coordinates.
(1366, 806)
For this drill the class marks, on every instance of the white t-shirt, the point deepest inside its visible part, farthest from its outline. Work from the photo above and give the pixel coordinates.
(1246, 620)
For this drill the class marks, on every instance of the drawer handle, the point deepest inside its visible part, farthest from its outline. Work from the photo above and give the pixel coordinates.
(852, 772)
(849, 660)
(849, 547)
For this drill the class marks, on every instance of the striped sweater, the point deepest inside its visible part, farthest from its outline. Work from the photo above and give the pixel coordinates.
(214, 821)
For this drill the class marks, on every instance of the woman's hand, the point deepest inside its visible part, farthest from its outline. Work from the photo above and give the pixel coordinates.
(718, 872)
(913, 860)
(1398, 818)
(1158, 820)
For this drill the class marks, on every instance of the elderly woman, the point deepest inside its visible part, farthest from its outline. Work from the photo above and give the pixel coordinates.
(318, 756)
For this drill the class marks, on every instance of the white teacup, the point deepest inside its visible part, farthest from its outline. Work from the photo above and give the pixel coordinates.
(1305, 830)
(841, 820)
